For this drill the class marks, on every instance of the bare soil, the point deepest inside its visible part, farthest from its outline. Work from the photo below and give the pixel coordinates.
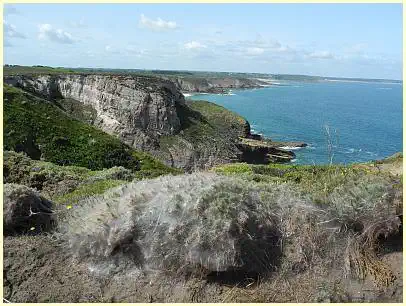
(37, 269)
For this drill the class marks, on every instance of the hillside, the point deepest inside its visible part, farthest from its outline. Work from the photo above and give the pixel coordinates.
(43, 131)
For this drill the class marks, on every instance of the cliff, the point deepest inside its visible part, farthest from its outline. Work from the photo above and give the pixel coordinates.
(150, 114)
(43, 131)
(214, 84)
(136, 109)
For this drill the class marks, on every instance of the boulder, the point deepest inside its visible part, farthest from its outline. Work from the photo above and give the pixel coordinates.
(25, 210)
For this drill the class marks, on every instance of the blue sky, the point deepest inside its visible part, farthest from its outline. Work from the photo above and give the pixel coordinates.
(343, 40)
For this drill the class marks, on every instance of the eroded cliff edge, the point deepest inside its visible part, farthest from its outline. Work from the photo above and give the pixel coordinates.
(136, 109)
(215, 84)
(150, 114)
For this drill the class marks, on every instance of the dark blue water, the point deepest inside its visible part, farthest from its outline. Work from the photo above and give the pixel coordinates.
(365, 119)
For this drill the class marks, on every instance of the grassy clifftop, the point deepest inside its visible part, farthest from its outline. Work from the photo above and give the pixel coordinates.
(200, 119)
(209, 134)
(42, 130)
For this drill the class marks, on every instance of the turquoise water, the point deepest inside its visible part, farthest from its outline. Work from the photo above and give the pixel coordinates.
(365, 119)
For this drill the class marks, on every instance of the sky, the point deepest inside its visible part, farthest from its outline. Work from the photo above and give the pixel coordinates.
(339, 40)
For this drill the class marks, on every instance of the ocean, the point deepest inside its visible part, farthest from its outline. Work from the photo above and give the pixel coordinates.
(364, 119)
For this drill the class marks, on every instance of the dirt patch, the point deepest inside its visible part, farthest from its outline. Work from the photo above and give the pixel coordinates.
(36, 269)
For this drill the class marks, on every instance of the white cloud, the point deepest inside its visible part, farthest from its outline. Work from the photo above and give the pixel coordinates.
(47, 32)
(10, 31)
(156, 25)
(193, 45)
(321, 55)
(255, 51)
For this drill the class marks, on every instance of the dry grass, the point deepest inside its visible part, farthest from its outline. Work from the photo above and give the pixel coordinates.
(192, 225)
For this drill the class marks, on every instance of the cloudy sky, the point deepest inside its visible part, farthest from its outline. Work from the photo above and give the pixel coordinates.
(344, 40)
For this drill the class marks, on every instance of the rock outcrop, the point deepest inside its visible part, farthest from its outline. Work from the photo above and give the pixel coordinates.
(263, 152)
(136, 109)
(215, 84)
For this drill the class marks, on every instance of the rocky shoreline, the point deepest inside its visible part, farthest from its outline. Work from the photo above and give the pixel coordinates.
(215, 85)
(259, 150)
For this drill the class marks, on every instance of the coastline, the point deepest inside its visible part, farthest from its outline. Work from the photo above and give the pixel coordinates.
(257, 140)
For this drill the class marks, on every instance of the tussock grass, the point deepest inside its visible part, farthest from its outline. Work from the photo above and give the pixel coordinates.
(177, 223)
(203, 222)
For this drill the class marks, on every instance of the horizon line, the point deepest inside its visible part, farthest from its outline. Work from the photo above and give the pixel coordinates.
(192, 70)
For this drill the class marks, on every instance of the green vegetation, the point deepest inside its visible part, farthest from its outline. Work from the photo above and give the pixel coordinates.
(42, 130)
(29, 70)
(32, 70)
(225, 222)
(220, 117)
(187, 75)
(208, 127)
(316, 181)
(395, 158)
(69, 184)
(202, 119)
(87, 190)
(80, 111)
(151, 167)
(61, 184)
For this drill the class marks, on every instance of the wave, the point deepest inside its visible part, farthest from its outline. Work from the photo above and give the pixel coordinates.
(385, 88)
(254, 131)
(293, 160)
(351, 150)
(290, 148)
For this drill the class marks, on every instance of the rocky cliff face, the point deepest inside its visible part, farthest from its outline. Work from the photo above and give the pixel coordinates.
(214, 85)
(136, 109)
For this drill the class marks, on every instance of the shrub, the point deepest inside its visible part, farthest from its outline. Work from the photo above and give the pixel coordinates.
(177, 223)
(25, 211)
(208, 222)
